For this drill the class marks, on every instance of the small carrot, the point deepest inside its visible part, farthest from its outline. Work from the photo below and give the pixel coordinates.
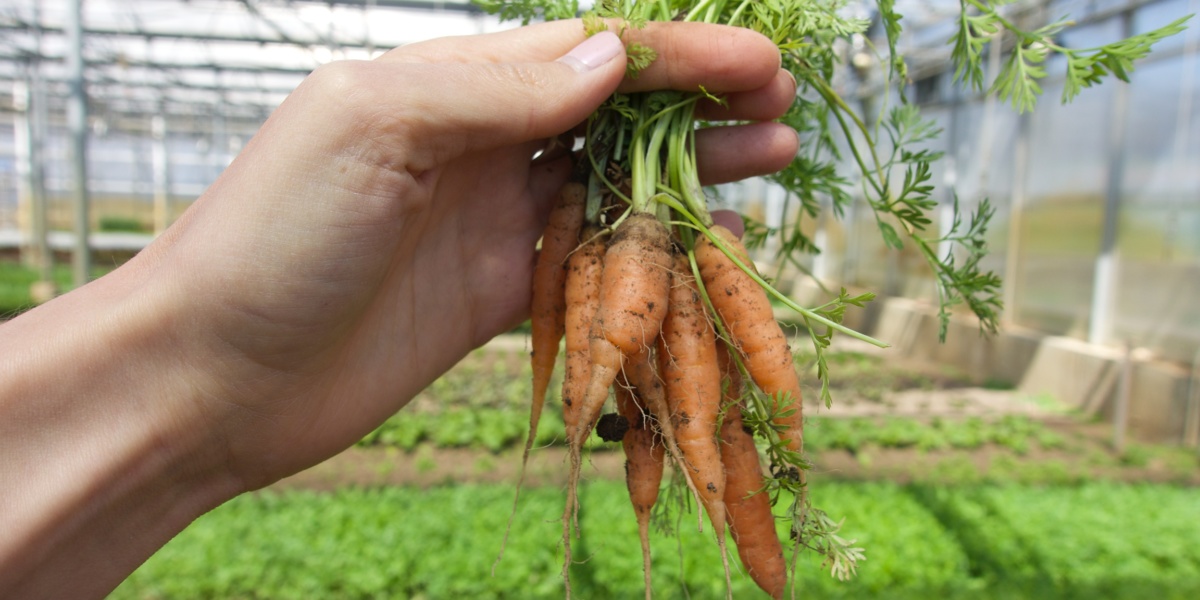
(746, 312)
(582, 293)
(687, 362)
(644, 454)
(633, 293)
(633, 290)
(643, 374)
(549, 304)
(548, 310)
(751, 522)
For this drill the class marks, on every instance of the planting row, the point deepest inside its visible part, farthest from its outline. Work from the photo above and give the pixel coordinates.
(497, 429)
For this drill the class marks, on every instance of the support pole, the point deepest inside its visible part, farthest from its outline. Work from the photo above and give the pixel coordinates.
(1016, 218)
(1191, 418)
(28, 134)
(23, 153)
(1121, 407)
(29, 100)
(162, 173)
(1100, 326)
(77, 125)
(39, 217)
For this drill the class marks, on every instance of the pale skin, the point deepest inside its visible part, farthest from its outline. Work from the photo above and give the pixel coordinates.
(380, 226)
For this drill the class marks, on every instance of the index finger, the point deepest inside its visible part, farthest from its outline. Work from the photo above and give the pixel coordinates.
(719, 57)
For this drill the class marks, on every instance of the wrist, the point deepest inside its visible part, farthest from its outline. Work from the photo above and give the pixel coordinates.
(104, 433)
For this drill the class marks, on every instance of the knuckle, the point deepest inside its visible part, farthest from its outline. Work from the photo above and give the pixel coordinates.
(538, 91)
(339, 87)
(353, 97)
(524, 75)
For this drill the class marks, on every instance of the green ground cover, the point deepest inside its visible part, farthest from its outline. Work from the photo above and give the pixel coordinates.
(14, 288)
(495, 429)
(1097, 540)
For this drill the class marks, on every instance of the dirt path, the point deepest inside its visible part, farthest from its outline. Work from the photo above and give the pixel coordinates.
(429, 466)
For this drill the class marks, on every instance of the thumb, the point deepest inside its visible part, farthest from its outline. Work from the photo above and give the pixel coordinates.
(479, 106)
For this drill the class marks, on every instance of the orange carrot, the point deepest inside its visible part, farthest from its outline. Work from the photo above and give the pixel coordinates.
(643, 374)
(548, 311)
(584, 270)
(582, 295)
(643, 464)
(751, 521)
(549, 305)
(633, 290)
(633, 294)
(687, 362)
(746, 312)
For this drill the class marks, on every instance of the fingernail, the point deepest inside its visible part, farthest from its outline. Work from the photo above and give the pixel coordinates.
(593, 52)
(792, 76)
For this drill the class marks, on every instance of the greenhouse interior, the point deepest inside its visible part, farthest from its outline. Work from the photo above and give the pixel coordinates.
(1054, 455)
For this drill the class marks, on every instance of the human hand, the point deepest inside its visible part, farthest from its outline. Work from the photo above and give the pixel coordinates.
(383, 221)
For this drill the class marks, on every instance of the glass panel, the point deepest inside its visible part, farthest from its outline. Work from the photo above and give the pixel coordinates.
(1062, 222)
(1159, 235)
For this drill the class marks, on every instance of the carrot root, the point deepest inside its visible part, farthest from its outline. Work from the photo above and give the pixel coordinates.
(643, 466)
(584, 268)
(687, 359)
(548, 317)
(746, 311)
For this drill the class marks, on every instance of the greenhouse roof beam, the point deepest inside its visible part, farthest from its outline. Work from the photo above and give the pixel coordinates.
(121, 84)
(463, 6)
(125, 63)
(179, 35)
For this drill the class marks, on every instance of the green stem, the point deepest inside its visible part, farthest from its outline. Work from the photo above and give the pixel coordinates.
(694, 15)
(683, 160)
(664, 9)
(598, 169)
(637, 167)
(737, 13)
(652, 170)
(839, 105)
(714, 12)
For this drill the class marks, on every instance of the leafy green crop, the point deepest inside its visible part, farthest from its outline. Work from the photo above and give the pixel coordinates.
(1094, 541)
(1016, 433)
(374, 543)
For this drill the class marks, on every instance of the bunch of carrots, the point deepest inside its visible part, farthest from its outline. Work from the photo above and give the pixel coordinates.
(638, 302)
(662, 310)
